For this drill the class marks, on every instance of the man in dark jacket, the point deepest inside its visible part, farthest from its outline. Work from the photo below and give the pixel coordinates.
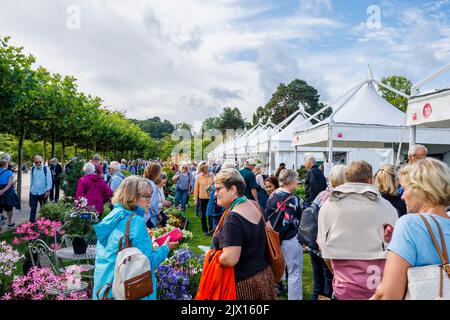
(56, 170)
(315, 181)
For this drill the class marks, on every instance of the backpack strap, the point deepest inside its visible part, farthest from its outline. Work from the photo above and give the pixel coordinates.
(278, 210)
(126, 236)
(105, 293)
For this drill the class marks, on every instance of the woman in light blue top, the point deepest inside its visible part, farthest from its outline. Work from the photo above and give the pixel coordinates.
(132, 197)
(426, 186)
(152, 173)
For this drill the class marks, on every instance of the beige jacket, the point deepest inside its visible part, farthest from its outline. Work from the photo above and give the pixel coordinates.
(351, 223)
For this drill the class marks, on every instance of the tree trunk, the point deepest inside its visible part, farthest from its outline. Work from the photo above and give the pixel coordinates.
(53, 143)
(19, 166)
(95, 147)
(44, 154)
(76, 150)
(62, 153)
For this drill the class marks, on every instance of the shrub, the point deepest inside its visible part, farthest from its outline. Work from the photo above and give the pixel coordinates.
(300, 192)
(70, 179)
(55, 211)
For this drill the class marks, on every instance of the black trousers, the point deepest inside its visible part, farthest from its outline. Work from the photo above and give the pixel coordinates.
(54, 193)
(323, 278)
(207, 223)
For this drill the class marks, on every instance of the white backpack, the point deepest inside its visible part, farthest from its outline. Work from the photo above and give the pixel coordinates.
(431, 282)
(132, 274)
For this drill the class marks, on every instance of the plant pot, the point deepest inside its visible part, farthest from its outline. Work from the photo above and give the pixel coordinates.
(79, 245)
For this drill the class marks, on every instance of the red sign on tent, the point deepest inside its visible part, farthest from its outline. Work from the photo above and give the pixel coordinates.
(340, 135)
(427, 110)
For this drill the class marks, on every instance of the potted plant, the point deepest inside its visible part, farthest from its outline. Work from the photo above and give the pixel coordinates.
(78, 226)
(26, 233)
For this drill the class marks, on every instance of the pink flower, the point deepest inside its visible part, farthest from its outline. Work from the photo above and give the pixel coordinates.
(6, 296)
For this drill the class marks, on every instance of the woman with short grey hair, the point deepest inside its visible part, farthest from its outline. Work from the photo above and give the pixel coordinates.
(93, 188)
(284, 210)
(88, 168)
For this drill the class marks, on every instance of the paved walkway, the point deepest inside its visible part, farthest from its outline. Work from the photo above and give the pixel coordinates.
(23, 215)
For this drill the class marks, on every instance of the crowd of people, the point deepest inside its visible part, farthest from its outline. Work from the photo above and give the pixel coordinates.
(370, 228)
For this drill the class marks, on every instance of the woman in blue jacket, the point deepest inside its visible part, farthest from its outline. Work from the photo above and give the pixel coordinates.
(132, 197)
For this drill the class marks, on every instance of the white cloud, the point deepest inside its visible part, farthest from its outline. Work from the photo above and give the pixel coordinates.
(182, 60)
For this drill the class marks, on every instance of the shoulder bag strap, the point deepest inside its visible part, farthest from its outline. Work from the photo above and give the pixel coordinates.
(259, 209)
(126, 236)
(442, 255)
(444, 247)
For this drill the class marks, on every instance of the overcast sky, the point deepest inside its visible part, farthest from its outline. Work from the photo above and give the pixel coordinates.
(184, 60)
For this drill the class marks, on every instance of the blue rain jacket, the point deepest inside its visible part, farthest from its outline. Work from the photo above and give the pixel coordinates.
(109, 231)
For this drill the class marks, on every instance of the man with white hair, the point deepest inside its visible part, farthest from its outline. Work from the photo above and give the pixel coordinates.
(98, 165)
(6, 157)
(417, 152)
(40, 185)
(123, 165)
(116, 176)
(315, 181)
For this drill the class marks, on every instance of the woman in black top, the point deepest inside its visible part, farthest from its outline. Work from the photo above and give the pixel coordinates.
(387, 184)
(242, 238)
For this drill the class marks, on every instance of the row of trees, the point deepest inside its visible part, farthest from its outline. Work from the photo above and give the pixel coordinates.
(41, 106)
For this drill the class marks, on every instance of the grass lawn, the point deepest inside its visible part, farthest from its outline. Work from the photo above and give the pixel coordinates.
(195, 226)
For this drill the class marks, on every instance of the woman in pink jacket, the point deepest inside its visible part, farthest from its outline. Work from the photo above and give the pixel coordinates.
(92, 187)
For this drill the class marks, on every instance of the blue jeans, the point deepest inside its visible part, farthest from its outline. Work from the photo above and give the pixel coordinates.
(323, 278)
(181, 196)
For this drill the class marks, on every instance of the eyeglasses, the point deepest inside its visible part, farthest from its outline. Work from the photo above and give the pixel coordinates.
(37, 162)
(147, 197)
(219, 188)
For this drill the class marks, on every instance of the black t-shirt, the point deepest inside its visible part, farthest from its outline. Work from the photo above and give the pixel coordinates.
(238, 231)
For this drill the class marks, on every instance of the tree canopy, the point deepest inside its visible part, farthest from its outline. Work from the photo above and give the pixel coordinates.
(155, 127)
(285, 101)
(400, 83)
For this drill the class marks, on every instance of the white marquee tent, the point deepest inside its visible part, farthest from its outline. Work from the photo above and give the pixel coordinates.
(365, 126)
(279, 141)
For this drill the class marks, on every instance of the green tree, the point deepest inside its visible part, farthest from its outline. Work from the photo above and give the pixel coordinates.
(155, 127)
(211, 123)
(285, 101)
(22, 96)
(231, 119)
(400, 83)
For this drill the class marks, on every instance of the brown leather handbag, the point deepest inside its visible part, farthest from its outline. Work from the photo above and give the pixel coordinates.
(273, 246)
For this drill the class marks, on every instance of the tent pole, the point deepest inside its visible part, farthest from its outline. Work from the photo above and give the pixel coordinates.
(295, 158)
(412, 135)
(330, 142)
(270, 156)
